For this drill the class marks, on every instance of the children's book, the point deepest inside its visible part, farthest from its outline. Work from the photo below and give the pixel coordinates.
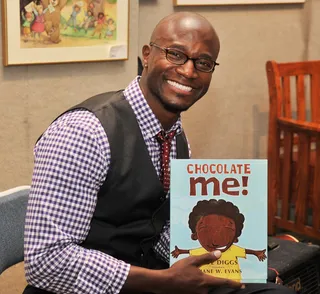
(221, 205)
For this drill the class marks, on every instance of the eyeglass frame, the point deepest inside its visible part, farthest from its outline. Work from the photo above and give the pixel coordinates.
(166, 49)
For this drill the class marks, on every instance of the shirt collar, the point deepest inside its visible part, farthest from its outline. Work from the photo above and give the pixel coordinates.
(150, 126)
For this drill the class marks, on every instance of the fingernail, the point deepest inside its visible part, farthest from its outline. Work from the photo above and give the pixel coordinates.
(243, 286)
(217, 253)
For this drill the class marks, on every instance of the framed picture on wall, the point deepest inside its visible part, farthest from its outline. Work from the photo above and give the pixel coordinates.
(61, 31)
(230, 2)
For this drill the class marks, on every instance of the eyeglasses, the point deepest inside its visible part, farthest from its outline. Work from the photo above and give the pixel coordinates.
(177, 57)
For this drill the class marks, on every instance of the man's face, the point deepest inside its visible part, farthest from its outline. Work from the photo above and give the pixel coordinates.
(178, 87)
(216, 232)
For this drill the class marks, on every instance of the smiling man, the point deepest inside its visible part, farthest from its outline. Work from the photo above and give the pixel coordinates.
(98, 212)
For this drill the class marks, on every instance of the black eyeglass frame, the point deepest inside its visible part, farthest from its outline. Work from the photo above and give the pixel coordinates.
(167, 49)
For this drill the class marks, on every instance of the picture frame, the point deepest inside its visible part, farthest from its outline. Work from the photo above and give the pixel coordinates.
(64, 31)
(232, 2)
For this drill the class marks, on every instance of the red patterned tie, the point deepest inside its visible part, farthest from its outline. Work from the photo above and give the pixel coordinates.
(165, 142)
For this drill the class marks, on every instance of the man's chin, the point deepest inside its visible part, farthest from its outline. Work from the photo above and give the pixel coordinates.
(175, 108)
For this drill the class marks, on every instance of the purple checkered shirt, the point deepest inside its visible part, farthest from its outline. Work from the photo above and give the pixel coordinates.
(71, 163)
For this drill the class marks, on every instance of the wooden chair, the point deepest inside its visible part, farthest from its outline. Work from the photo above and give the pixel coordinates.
(294, 147)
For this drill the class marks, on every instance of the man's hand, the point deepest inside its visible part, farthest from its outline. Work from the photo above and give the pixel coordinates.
(183, 277)
(186, 277)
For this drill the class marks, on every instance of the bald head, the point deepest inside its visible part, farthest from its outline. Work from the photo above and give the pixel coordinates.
(185, 23)
(178, 64)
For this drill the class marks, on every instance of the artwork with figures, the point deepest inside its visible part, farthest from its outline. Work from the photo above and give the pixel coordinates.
(68, 25)
(67, 22)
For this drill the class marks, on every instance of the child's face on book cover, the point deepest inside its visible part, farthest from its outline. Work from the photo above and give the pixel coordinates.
(216, 232)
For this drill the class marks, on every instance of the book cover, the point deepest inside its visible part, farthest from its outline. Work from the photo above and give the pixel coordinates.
(221, 205)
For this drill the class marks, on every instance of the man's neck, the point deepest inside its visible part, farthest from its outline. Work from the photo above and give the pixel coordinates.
(167, 118)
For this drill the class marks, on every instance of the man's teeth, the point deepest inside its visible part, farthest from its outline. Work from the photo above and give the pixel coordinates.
(221, 248)
(179, 86)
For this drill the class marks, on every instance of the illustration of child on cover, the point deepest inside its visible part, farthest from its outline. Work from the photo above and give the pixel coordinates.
(218, 224)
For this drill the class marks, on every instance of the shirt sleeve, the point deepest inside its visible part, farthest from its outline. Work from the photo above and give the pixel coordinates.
(71, 163)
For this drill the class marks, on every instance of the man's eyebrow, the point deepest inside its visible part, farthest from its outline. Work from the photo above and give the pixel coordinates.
(178, 46)
(184, 49)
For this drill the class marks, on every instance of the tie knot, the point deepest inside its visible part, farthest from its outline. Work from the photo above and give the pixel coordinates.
(165, 137)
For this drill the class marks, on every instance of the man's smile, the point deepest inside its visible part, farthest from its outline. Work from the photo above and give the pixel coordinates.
(179, 86)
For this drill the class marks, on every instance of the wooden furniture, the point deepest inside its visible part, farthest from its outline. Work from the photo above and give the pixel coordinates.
(294, 147)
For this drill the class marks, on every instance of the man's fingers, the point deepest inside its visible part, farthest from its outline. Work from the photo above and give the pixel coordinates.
(206, 258)
(221, 282)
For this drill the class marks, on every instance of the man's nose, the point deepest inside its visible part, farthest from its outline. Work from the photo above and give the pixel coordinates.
(188, 69)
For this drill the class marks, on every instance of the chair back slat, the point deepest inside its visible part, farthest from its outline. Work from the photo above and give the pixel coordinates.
(316, 188)
(301, 97)
(302, 179)
(285, 177)
(315, 97)
(286, 97)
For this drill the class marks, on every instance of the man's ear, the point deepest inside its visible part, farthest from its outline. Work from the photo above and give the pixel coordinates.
(194, 236)
(145, 54)
(236, 240)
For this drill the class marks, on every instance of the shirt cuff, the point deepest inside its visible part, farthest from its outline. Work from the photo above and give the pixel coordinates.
(101, 274)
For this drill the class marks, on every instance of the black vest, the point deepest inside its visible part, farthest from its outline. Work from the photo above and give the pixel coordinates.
(132, 206)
